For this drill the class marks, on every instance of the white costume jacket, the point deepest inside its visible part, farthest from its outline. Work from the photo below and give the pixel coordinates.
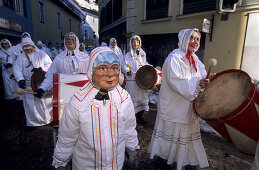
(179, 86)
(95, 133)
(38, 111)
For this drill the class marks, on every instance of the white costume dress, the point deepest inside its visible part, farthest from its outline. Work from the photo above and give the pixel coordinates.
(10, 87)
(176, 136)
(133, 62)
(93, 133)
(38, 111)
(63, 63)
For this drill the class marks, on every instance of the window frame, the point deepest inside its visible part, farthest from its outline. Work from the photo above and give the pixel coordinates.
(58, 20)
(41, 12)
(168, 11)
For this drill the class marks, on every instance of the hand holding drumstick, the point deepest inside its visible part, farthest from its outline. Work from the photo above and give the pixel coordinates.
(21, 91)
(204, 82)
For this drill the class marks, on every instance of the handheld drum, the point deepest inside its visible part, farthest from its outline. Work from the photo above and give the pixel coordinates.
(230, 104)
(148, 77)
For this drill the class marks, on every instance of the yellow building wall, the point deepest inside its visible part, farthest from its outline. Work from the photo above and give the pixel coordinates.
(227, 39)
(49, 32)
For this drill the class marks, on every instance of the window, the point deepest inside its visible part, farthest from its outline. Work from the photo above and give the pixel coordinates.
(9, 3)
(19, 7)
(108, 16)
(102, 20)
(117, 9)
(156, 9)
(41, 12)
(70, 25)
(58, 20)
(193, 6)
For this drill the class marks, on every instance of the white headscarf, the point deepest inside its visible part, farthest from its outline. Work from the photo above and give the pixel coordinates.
(132, 51)
(27, 41)
(76, 50)
(184, 38)
(103, 44)
(25, 33)
(10, 44)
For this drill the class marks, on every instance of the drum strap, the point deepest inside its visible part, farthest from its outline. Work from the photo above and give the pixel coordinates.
(30, 63)
(7, 56)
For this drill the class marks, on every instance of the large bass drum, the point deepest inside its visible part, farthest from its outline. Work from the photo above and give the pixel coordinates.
(230, 104)
(64, 87)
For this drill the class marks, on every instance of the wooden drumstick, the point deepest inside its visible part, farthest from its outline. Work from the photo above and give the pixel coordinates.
(212, 62)
(21, 91)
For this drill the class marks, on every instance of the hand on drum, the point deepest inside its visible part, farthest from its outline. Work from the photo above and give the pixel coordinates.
(130, 73)
(204, 82)
(212, 76)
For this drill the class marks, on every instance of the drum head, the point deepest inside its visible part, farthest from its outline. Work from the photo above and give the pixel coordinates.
(36, 79)
(146, 77)
(224, 94)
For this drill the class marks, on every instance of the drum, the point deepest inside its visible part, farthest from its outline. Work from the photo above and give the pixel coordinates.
(64, 87)
(36, 79)
(148, 77)
(122, 79)
(230, 104)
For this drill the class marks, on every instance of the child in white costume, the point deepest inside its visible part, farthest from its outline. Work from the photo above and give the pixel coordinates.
(176, 136)
(99, 121)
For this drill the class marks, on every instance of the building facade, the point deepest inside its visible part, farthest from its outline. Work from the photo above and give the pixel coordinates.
(52, 19)
(159, 21)
(15, 18)
(90, 32)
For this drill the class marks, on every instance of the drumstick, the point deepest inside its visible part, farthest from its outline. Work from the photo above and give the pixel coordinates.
(212, 62)
(21, 91)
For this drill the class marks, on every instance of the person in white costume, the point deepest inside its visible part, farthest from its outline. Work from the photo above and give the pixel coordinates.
(99, 122)
(56, 51)
(133, 60)
(176, 136)
(70, 61)
(38, 112)
(41, 46)
(103, 44)
(18, 48)
(255, 165)
(82, 48)
(7, 56)
(113, 45)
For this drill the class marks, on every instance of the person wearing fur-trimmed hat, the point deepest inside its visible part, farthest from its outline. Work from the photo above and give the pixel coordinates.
(98, 123)
(38, 112)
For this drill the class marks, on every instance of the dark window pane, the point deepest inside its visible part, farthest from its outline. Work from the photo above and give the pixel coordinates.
(102, 20)
(117, 9)
(156, 9)
(108, 16)
(193, 6)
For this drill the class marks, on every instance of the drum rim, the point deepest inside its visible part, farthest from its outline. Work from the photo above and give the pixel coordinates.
(137, 76)
(32, 76)
(55, 100)
(251, 93)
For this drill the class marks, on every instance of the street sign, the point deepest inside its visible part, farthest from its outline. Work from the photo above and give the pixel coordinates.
(206, 25)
